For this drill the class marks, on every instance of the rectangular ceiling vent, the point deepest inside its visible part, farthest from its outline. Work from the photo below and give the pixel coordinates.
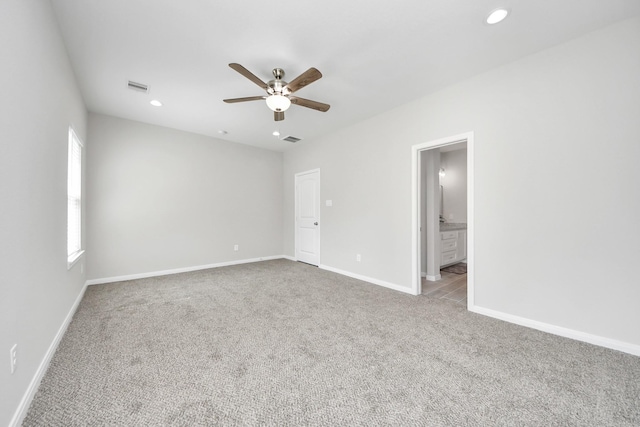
(291, 139)
(138, 86)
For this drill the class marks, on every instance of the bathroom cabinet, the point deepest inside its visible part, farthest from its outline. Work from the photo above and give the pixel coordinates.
(453, 247)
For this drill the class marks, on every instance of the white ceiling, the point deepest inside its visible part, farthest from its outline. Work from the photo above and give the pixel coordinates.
(374, 55)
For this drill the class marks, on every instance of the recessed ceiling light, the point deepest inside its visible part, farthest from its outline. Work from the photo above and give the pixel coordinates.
(276, 133)
(156, 103)
(497, 16)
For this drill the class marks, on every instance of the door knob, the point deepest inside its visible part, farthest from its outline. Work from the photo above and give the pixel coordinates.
(315, 223)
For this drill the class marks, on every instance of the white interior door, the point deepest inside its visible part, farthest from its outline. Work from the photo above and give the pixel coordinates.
(308, 217)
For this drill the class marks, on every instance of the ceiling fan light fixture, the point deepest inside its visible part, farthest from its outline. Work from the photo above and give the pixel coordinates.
(497, 15)
(278, 102)
(278, 91)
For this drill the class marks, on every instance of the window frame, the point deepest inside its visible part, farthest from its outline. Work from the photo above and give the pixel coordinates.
(75, 149)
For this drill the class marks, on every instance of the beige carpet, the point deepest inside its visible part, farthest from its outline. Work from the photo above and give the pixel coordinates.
(283, 343)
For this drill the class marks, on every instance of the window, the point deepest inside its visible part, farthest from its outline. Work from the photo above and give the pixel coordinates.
(74, 200)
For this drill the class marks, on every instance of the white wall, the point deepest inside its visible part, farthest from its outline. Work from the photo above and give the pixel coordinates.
(161, 199)
(39, 101)
(557, 141)
(455, 185)
(430, 213)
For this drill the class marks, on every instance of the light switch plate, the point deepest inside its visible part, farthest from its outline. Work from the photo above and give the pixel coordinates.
(13, 354)
(329, 202)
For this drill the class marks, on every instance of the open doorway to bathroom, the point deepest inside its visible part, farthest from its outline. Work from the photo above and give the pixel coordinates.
(448, 264)
(443, 218)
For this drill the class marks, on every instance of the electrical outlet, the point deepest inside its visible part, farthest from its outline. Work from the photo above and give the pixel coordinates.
(358, 258)
(235, 247)
(13, 354)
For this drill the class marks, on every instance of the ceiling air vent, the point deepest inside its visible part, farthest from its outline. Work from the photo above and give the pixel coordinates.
(291, 139)
(138, 86)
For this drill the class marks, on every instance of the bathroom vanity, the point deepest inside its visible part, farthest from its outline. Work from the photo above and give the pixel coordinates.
(453, 243)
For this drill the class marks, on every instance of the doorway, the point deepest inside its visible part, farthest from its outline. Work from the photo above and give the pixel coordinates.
(307, 217)
(422, 225)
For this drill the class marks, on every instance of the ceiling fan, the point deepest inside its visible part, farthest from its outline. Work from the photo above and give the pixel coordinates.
(279, 92)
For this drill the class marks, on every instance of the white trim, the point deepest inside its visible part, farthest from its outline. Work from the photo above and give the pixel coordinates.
(559, 330)
(368, 279)
(471, 227)
(27, 398)
(74, 258)
(295, 211)
(290, 258)
(179, 270)
(433, 278)
(416, 286)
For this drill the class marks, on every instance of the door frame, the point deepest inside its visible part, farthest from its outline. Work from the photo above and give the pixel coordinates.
(295, 212)
(416, 276)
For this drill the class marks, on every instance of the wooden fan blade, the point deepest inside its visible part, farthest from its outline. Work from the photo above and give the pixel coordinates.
(310, 104)
(248, 98)
(248, 74)
(278, 116)
(308, 77)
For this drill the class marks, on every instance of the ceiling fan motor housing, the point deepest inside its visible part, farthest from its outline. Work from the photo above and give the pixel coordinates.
(277, 86)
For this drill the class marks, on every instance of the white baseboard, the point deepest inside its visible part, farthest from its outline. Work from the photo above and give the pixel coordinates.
(433, 278)
(179, 270)
(558, 330)
(290, 258)
(25, 402)
(368, 279)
